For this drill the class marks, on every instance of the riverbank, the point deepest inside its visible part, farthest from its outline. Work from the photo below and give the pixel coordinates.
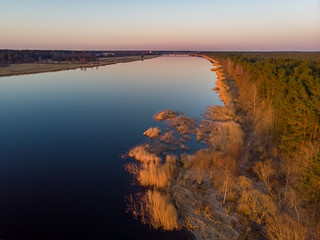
(258, 192)
(191, 191)
(205, 196)
(26, 68)
(226, 190)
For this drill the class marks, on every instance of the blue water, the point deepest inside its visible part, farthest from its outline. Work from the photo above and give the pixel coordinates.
(61, 139)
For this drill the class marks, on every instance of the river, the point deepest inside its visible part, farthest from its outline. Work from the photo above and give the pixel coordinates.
(62, 137)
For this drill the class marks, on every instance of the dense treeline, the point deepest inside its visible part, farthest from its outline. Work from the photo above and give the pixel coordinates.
(32, 56)
(292, 87)
(260, 56)
(279, 94)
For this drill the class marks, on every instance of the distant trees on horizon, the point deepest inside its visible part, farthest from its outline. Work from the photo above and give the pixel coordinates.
(33, 56)
(43, 56)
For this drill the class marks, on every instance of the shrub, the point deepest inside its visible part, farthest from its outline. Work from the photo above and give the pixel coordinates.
(225, 135)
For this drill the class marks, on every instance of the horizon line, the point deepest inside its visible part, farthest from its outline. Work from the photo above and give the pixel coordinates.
(146, 50)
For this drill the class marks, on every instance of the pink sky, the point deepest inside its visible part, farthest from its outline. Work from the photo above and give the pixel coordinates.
(161, 25)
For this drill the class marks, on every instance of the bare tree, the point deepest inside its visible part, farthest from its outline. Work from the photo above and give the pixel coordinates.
(265, 171)
(283, 227)
(253, 203)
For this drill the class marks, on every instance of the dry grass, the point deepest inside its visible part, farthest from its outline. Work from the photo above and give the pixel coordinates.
(155, 209)
(219, 129)
(165, 115)
(178, 131)
(153, 132)
(204, 130)
(187, 161)
(222, 86)
(171, 159)
(220, 113)
(157, 175)
(162, 212)
(141, 153)
(223, 90)
(182, 124)
(169, 138)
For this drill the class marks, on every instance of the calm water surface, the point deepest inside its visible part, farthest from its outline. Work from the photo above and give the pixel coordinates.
(61, 139)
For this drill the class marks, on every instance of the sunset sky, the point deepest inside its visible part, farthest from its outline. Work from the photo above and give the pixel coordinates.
(160, 24)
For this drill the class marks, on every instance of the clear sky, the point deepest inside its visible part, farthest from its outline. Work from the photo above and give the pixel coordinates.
(160, 24)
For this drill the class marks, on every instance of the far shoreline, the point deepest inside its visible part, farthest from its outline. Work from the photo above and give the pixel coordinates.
(35, 68)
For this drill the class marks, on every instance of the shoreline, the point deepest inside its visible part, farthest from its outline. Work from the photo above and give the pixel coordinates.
(190, 190)
(224, 85)
(35, 68)
(203, 224)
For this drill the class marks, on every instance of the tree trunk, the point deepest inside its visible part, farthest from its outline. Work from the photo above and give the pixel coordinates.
(225, 190)
(287, 180)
